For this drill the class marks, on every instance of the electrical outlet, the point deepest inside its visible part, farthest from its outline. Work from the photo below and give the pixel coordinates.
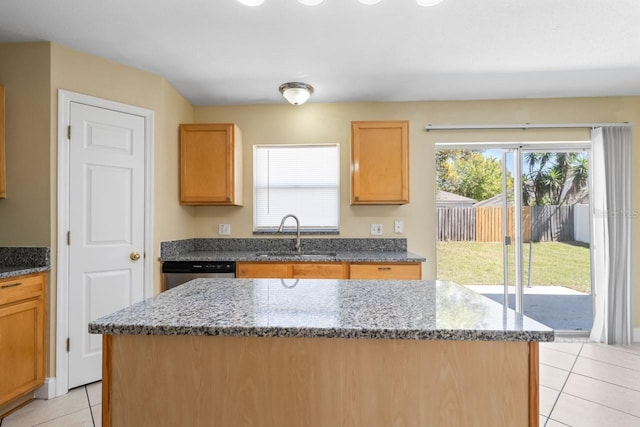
(398, 226)
(224, 229)
(376, 229)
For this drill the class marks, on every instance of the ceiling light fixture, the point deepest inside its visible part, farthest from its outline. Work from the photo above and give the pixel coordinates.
(295, 92)
(251, 2)
(310, 2)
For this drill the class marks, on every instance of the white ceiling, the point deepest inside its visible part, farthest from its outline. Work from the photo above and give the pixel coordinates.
(218, 52)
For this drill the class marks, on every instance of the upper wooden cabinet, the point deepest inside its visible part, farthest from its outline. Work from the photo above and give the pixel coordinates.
(3, 188)
(210, 164)
(380, 163)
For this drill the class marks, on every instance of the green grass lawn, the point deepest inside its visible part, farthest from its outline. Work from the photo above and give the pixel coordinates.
(480, 263)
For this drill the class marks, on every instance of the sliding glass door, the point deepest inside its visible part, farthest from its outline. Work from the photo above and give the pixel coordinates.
(513, 224)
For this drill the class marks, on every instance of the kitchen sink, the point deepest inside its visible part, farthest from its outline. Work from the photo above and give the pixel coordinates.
(294, 254)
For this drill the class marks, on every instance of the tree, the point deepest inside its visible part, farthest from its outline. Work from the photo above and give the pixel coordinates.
(468, 173)
(554, 178)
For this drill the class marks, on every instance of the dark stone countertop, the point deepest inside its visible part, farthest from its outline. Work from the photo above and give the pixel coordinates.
(18, 261)
(281, 249)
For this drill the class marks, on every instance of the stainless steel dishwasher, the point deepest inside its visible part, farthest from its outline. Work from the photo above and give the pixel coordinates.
(178, 272)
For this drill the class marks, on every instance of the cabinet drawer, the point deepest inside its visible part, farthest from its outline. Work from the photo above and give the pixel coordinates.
(20, 288)
(333, 270)
(263, 270)
(386, 271)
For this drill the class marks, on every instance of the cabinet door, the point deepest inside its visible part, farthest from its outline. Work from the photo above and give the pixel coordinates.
(210, 164)
(2, 158)
(380, 162)
(263, 270)
(21, 348)
(328, 270)
(386, 271)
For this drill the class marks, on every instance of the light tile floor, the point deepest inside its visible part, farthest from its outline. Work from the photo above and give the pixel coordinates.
(585, 384)
(81, 407)
(581, 385)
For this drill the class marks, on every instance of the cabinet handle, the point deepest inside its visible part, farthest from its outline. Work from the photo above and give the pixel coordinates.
(11, 285)
(384, 268)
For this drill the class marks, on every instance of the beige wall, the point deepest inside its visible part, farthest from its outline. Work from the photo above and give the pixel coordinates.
(33, 73)
(25, 212)
(90, 75)
(323, 123)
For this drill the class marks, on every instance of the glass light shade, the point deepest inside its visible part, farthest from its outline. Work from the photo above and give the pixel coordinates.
(310, 2)
(251, 2)
(369, 2)
(296, 93)
(428, 2)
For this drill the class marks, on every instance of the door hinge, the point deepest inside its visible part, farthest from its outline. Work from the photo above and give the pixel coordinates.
(68, 238)
(69, 132)
(68, 344)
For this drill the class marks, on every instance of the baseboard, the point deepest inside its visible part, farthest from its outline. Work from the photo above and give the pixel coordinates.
(47, 390)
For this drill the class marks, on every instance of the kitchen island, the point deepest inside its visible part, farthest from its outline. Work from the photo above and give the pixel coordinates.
(298, 352)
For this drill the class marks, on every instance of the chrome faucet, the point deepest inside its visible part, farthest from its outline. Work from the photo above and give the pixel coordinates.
(281, 229)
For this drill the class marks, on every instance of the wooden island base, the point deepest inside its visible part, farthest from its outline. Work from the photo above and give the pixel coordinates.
(251, 381)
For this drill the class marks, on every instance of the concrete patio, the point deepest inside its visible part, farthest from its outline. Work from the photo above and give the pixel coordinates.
(560, 308)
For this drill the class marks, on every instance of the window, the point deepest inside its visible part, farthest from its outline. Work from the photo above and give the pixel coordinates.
(296, 179)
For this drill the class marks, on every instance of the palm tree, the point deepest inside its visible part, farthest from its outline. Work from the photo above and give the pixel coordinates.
(549, 175)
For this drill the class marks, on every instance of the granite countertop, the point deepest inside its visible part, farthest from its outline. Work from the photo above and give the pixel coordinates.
(20, 270)
(316, 256)
(281, 249)
(18, 261)
(374, 309)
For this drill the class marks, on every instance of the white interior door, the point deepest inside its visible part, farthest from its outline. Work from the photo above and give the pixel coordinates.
(106, 224)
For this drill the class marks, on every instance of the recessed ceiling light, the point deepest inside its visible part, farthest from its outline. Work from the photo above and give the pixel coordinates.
(310, 2)
(251, 2)
(428, 2)
(369, 2)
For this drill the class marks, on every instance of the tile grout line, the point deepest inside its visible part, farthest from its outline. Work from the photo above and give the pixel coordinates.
(564, 384)
(86, 390)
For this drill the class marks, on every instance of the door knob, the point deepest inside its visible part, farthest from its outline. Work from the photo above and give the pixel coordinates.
(134, 256)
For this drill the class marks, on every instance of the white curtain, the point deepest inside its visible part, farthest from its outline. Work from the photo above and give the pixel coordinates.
(612, 234)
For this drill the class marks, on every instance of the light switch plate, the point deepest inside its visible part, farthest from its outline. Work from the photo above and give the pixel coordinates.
(376, 229)
(224, 229)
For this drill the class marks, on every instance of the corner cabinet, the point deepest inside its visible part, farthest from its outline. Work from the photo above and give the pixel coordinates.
(380, 163)
(210, 164)
(22, 339)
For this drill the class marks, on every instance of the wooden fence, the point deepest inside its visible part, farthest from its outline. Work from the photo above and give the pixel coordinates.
(540, 224)
(457, 224)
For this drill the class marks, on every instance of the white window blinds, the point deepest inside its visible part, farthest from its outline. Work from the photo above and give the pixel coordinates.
(297, 179)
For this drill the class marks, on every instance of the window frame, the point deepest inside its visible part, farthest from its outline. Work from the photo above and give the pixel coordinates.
(290, 225)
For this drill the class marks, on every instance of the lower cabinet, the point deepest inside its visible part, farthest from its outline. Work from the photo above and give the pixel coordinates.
(392, 271)
(295, 270)
(328, 270)
(22, 339)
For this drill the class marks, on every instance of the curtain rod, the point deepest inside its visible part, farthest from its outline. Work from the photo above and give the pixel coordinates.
(524, 126)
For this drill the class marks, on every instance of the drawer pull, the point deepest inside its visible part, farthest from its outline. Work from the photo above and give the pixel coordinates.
(384, 268)
(11, 285)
